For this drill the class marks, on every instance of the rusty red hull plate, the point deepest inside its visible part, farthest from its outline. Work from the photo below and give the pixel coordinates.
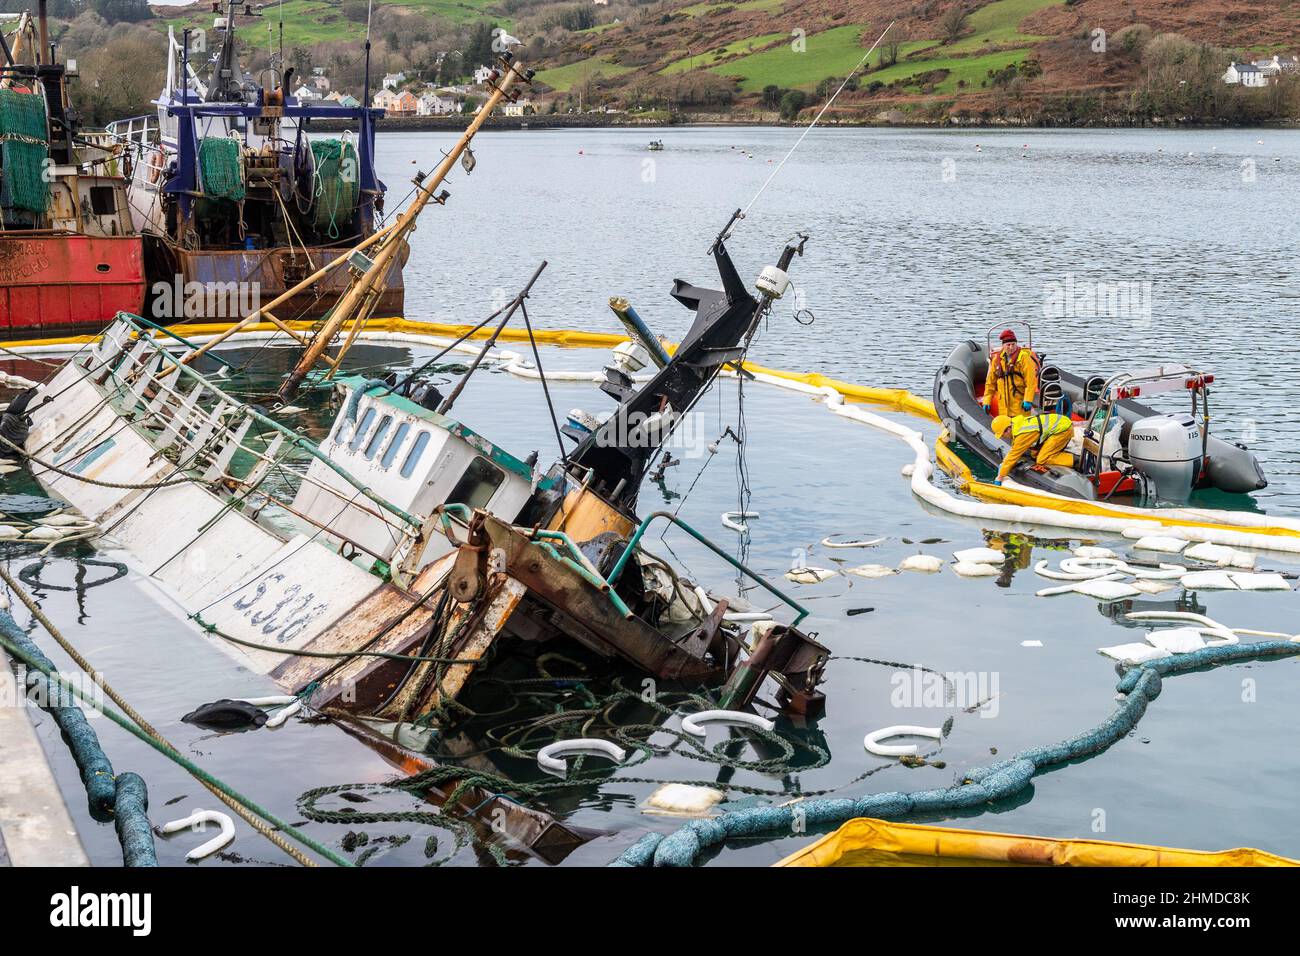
(263, 275)
(56, 284)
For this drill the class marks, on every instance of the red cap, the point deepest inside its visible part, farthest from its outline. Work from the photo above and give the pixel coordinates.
(1007, 335)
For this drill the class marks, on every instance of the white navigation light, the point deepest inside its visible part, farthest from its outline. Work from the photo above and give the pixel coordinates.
(772, 281)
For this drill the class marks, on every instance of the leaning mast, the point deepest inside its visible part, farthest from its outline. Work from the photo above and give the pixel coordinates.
(369, 274)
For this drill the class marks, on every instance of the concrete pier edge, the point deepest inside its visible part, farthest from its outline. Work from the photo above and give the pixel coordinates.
(36, 828)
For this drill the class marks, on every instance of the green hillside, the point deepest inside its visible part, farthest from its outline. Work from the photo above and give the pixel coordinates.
(757, 58)
(322, 21)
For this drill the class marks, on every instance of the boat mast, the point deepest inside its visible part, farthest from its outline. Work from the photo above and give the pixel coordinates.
(365, 88)
(369, 275)
(44, 50)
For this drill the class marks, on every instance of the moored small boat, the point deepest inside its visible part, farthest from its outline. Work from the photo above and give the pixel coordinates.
(236, 202)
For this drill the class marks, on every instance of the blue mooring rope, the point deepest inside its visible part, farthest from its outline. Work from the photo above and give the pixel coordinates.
(124, 799)
(1139, 685)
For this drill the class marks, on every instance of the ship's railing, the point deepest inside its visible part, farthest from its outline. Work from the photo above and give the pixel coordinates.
(136, 130)
(222, 440)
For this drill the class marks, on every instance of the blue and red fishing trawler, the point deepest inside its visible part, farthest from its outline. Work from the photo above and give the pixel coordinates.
(232, 196)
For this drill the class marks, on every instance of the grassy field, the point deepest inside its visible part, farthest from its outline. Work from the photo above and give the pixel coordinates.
(1000, 22)
(711, 57)
(830, 53)
(973, 69)
(307, 22)
(703, 9)
(996, 25)
(563, 78)
(835, 51)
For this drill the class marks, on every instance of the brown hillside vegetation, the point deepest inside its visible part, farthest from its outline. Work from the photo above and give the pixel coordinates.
(1020, 61)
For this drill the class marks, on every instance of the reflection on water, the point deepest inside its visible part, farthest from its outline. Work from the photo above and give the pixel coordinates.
(901, 265)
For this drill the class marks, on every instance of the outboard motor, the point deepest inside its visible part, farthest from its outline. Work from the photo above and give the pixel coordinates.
(1167, 451)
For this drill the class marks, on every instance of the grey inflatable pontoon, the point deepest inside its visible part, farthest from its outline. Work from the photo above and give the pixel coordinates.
(1128, 448)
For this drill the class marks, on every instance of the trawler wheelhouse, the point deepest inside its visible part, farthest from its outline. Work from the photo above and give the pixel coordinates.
(413, 457)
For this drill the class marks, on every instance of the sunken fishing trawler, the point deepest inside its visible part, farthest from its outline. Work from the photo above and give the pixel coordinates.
(406, 555)
(230, 193)
(70, 258)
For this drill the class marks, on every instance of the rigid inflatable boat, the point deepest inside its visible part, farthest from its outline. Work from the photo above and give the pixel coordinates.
(1121, 446)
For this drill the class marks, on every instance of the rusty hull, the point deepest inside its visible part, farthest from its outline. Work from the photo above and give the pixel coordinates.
(384, 622)
(585, 613)
(475, 628)
(270, 271)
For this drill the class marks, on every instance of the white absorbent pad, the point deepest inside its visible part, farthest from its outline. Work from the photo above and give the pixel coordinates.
(1259, 581)
(925, 563)
(1104, 590)
(871, 571)
(1221, 555)
(1208, 581)
(1177, 640)
(1156, 542)
(979, 556)
(1133, 653)
(681, 799)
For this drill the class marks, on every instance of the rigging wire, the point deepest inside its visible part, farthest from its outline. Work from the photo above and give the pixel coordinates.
(779, 166)
(537, 358)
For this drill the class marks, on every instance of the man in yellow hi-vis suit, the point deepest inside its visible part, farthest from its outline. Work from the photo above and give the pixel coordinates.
(1047, 432)
(1012, 377)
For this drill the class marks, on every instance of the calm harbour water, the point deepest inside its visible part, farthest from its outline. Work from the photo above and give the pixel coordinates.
(908, 254)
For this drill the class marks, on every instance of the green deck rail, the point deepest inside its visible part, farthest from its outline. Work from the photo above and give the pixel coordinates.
(180, 338)
(294, 438)
(752, 575)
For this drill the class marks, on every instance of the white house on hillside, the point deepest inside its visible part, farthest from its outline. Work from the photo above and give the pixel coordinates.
(305, 93)
(1247, 74)
(1277, 65)
(434, 104)
(385, 99)
(482, 75)
(393, 80)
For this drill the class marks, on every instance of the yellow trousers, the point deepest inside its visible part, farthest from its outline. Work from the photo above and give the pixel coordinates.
(1051, 452)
